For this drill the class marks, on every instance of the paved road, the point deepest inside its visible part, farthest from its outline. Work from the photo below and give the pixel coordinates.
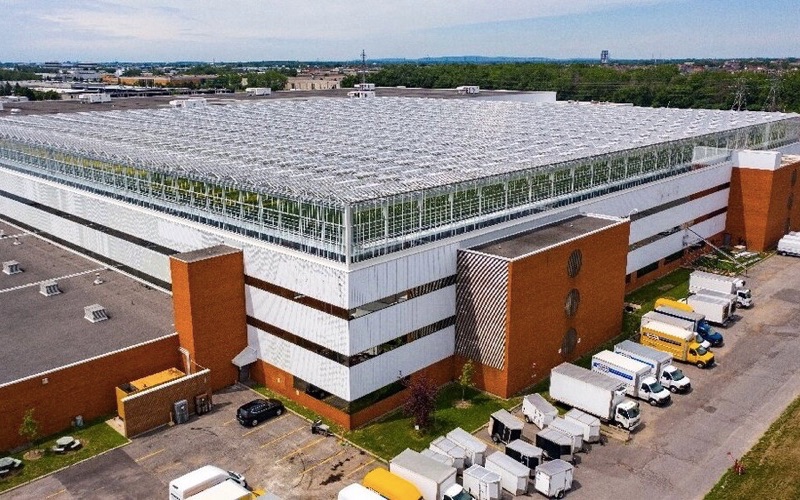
(685, 448)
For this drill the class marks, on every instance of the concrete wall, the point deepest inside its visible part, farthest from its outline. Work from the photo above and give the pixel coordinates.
(152, 408)
(85, 388)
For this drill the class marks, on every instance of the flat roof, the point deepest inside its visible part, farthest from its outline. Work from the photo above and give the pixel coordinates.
(39, 333)
(532, 241)
(343, 151)
(205, 253)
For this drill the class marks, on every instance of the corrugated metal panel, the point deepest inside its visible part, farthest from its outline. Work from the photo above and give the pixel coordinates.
(481, 304)
(389, 367)
(318, 327)
(387, 324)
(668, 245)
(675, 216)
(311, 367)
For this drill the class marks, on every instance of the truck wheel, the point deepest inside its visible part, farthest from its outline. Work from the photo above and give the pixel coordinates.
(653, 402)
(254, 422)
(560, 494)
(528, 419)
(673, 389)
(700, 364)
(495, 438)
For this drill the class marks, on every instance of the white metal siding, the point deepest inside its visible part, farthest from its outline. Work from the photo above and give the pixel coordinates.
(387, 324)
(320, 371)
(311, 324)
(675, 216)
(668, 245)
(389, 367)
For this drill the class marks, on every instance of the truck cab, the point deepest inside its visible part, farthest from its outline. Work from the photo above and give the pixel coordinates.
(628, 415)
(456, 492)
(744, 298)
(710, 335)
(699, 355)
(652, 390)
(674, 379)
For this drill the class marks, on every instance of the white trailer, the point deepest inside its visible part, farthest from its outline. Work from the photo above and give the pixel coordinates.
(636, 376)
(474, 448)
(537, 410)
(443, 459)
(717, 311)
(789, 245)
(357, 492)
(258, 91)
(201, 479)
(572, 430)
(513, 475)
(226, 490)
(700, 280)
(433, 479)
(553, 479)
(588, 423)
(525, 453)
(482, 483)
(660, 363)
(594, 393)
(446, 447)
(555, 444)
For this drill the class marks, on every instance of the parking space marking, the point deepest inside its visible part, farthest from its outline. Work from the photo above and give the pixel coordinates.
(264, 426)
(360, 467)
(295, 452)
(282, 436)
(229, 422)
(325, 461)
(62, 490)
(149, 455)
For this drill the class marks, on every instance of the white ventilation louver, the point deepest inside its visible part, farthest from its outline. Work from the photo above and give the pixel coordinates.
(49, 288)
(95, 313)
(11, 267)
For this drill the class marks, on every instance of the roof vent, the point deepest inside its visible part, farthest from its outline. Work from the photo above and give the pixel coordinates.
(16, 241)
(95, 313)
(97, 279)
(49, 288)
(11, 267)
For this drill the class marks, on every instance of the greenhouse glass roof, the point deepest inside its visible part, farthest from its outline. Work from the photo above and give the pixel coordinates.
(345, 151)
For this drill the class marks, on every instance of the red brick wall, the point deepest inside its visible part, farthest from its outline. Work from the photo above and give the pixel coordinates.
(758, 206)
(86, 389)
(210, 314)
(283, 383)
(153, 408)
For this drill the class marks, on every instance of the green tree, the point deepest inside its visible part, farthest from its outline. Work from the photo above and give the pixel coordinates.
(465, 379)
(132, 72)
(29, 427)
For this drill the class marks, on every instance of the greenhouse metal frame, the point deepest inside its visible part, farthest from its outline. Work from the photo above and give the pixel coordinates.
(349, 180)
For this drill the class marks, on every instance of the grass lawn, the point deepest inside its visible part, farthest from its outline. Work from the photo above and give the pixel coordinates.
(96, 437)
(772, 469)
(395, 432)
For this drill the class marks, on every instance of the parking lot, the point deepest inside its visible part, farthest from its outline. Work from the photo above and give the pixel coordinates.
(679, 452)
(280, 455)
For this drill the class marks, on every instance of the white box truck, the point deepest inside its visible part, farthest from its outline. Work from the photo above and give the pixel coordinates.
(589, 423)
(553, 479)
(789, 245)
(513, 475)
(357, 492)
(594, 393)
(573, 431)
(446, 447)
(474, 448)
(444, 459)
(434, 480)
(201, 479)
(226, 490)
(701, 326)
(684, 323)
(636, 376)
(720, 295)
(660, 363)
(716, 311)
(538, 411)
(734, 285)
(482, 483)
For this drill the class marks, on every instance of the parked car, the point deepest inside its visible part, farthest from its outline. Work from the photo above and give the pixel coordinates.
(258, 410)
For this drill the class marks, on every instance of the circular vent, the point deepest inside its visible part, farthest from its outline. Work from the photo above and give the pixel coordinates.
(569, 342)
(574, 263)
(572, 302)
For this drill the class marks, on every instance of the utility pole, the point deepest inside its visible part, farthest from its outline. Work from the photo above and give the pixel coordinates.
(740, 99)
(771, 103)
(363, 66)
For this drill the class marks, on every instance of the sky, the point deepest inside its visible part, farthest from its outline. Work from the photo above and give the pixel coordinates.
(322, 30)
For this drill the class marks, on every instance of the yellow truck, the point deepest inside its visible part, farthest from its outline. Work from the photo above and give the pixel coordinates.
(675, 304)
(391, 486)
(676, 341)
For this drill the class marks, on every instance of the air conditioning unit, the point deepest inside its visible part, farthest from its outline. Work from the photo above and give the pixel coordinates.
(11, 267)
(49, 288)
(95, 313)
(180, 411)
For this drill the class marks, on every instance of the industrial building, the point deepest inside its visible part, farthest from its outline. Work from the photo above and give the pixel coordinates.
(331, 248)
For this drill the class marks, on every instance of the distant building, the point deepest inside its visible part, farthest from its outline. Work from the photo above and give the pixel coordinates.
(314, 82)
(468, 89)
(603, 57)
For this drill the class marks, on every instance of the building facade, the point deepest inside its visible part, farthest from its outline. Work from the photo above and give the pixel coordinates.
(331, 264)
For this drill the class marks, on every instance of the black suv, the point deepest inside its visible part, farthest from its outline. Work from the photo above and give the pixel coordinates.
(258, 410)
